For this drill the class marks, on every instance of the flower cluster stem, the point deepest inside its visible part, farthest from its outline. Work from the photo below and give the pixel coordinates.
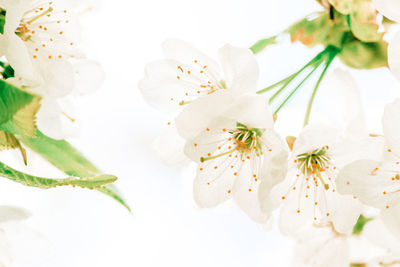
(332, 54)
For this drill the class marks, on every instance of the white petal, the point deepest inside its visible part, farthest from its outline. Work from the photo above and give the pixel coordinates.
(369, 182)
(388, 8)
(391, 218)
(315, 136)
(58, 76)
(213, 186)
(394, 55)
(9, 213)
(164, 86)
(197, 116)
(321, 247)
(391, 126)
(240, 68)
(377, 233)
(344, 211)
(272, 171)
(297, 212)
(19, 58)
(170, 147)
(89, 76)
(56, 120)
(185, 53)
(340, 101)
(209, 139)
(252, 110)
(246, 194)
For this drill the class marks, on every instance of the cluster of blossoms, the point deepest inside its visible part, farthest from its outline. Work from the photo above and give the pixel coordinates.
(39, 42)
(324, 180)
(41, 71)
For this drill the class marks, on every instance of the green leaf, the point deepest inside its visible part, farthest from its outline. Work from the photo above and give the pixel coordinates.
(45, 183)
(2, 20)
(361, 222)
(12, 99)
(8, 141)
(262, 44)
(66, 158)
(24, 120)
(360, 55)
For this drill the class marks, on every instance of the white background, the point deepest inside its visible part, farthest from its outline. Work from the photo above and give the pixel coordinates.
(82, 228)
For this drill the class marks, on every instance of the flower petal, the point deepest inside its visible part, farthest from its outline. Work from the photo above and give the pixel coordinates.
(341, 103)
(388, 8)
(369, 181)
(391, 218)
(240, 68)
(197, 116)
(251, 193)
(170, 147)
(344, 211)
(391, 126)
(185, 53)
(394, 55)
(18, 57)
(10, 213)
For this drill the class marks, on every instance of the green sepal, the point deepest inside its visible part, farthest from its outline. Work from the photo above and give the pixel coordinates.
(360, 55)
(262, 44)
(94, 182)
(320, 30)
(359, 226)
(343, 6)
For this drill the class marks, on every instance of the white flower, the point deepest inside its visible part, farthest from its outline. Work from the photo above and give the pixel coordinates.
(377, 182)
(8, 216)
(238, 152)
(379, 235)
(308, 194)
(321, 246)
(391, 9)
(187, 74)
(38, 42)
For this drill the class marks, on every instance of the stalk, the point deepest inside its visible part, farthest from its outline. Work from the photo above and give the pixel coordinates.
(332, 55)
(297, 87)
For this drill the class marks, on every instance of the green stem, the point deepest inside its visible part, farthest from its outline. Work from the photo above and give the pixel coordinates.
(275, 85)
(263, 43)
(332, 55)
(297, 87)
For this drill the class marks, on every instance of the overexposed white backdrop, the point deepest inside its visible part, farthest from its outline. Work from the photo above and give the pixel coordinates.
(82, 228)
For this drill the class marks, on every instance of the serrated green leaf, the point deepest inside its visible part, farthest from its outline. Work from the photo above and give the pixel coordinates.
(24, 120)
(360, 55)
(262, 44)
(12, 99)
(67, 159)
(45, 183)
(8, 141)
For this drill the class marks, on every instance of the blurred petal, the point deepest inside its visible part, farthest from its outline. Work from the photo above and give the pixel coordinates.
(240, 68)
(388, 8)
(394, 55)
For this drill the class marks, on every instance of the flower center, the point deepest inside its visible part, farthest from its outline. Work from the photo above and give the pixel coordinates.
(314, 163)
(244, 140)
(42, 28)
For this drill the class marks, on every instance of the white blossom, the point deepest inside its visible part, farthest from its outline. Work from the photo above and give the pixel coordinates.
(238, 153)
